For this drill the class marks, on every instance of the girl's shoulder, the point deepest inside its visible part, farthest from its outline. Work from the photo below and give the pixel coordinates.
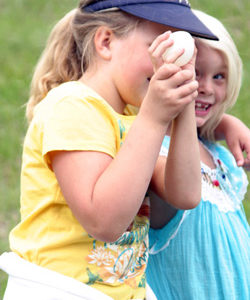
(72, 89)
(74, 96)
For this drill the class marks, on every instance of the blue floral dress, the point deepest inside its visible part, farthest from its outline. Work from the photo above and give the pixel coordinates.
(204, 253)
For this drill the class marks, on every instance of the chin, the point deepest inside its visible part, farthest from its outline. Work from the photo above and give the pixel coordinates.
(200, 122)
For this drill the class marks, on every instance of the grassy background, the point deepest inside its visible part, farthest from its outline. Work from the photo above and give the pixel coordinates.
(24, 27)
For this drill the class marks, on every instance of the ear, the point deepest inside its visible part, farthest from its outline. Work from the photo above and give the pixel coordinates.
(102, 41)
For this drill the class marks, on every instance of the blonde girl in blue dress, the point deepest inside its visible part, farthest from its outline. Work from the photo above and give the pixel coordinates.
(204, 253)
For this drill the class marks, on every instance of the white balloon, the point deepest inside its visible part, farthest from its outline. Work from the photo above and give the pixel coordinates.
(182, 40)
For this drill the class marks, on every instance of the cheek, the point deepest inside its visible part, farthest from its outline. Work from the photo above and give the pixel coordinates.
(146, 62)
(143, 63)
(221, 94)
(141, 71)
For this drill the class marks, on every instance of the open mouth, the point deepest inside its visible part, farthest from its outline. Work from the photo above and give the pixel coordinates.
(200, 106)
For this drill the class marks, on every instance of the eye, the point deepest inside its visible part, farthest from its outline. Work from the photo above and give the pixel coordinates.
(219, 76)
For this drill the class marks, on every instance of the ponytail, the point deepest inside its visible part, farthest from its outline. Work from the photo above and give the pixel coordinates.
(70, 49)
(59, 62)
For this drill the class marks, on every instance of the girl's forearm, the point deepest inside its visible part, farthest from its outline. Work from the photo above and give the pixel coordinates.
(237, 136)
(182, 176)
(183, 179)
(131, 170)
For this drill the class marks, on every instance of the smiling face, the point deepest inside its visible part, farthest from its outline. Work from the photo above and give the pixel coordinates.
(212, 75)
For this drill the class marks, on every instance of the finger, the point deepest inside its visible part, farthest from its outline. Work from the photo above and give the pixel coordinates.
(159, 40)
(157, 49)
(179, 75)
(238, 154)
(182, 82)
(166, 71)
(188, 90)
(191, 64)
(171, 58)
(182, 78)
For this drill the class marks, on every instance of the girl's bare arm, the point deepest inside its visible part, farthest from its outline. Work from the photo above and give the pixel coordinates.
(177, 178)
(105, 194)
(237, 136)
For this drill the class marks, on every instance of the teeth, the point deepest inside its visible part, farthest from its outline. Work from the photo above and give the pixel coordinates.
(201, 106)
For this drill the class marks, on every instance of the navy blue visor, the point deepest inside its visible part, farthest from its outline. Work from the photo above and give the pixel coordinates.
(173, 13)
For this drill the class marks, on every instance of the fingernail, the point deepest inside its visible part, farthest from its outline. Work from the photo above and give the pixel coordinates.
(239, 163)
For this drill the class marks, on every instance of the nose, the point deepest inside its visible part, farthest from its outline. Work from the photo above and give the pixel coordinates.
(205, 85)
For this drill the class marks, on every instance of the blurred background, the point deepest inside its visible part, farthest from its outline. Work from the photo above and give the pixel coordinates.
(24, 28)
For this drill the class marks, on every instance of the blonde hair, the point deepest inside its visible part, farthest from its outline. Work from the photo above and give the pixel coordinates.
(234, 65)
(70, 49)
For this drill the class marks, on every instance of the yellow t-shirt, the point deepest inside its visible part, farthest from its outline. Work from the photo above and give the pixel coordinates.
(74, 117)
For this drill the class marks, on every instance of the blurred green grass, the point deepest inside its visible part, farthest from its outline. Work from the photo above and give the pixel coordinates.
(24, 28)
